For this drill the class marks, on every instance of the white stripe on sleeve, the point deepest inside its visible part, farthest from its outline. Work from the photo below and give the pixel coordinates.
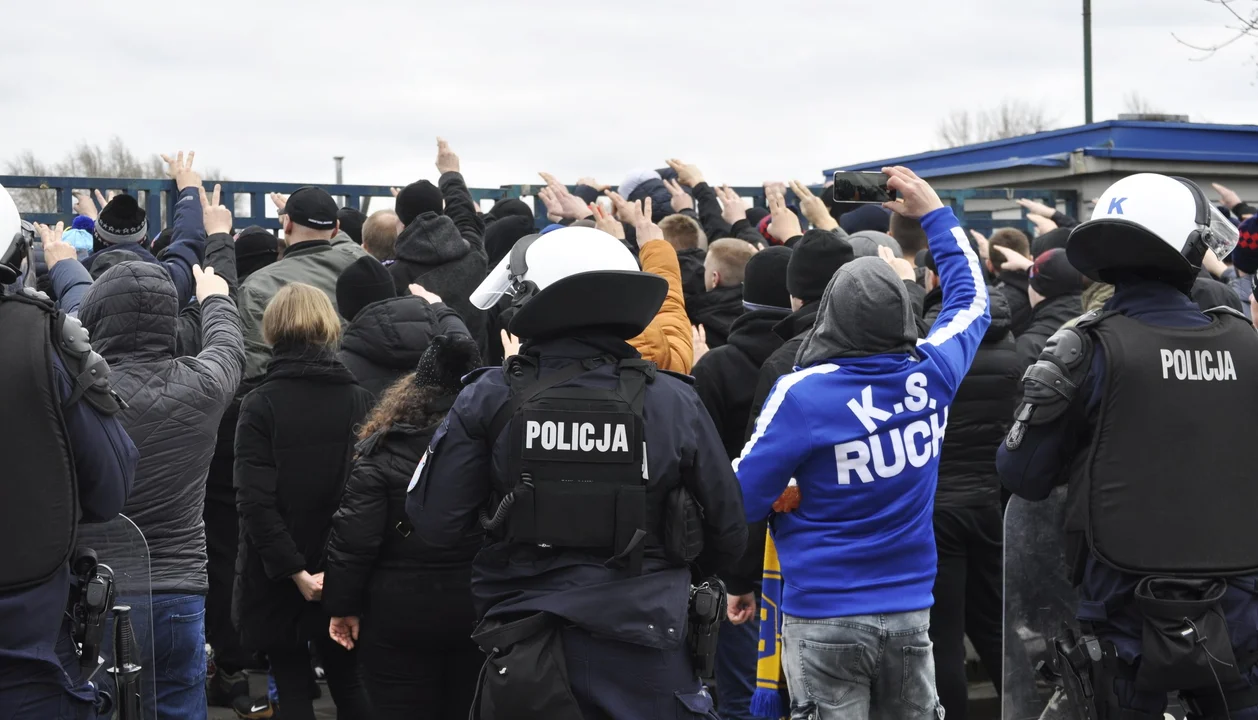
(966, 317)
(775, 401)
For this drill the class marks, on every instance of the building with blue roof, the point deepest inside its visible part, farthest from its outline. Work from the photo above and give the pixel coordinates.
(1086, 159)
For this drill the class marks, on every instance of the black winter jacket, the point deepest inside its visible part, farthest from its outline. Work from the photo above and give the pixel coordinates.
(981, 413)
(1013, 286)
(1046, 319)
(371, 539)
(716, 310)
(387, 338)
(691, 262)
(446, 254)
(725, 379)
(293, 447)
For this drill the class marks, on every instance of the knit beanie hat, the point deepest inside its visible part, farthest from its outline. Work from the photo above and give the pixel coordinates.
(80, 240)
(255, 249)
(502, 235)
(756, 214)
(446, 361)
(1245, 256)
(866, 243)
(351, 222)
(417, 199)
(1053, 275)
(122, 221)
(764, 278)
(866, 217)
(364, 282)
(816, 258)
(508, 207)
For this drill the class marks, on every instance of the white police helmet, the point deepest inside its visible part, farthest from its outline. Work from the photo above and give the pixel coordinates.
(571, 278)
(13, 240)
(1150, 225)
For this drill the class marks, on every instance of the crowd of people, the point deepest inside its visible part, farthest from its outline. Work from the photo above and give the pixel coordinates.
(302, 427)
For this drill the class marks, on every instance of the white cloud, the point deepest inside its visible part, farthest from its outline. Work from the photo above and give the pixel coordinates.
(748, 90)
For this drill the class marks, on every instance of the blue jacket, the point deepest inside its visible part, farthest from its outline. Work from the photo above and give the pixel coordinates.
(683, 448)
(861, 436)
(186, 249)
(30, 620)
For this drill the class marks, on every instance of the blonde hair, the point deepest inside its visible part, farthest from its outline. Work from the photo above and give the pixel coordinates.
(301, 314)
(683, 232)
(730, 256)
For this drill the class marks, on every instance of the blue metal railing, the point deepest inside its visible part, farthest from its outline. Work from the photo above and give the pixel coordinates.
(159, 197)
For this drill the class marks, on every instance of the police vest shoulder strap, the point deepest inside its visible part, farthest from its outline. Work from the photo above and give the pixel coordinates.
(542, 384)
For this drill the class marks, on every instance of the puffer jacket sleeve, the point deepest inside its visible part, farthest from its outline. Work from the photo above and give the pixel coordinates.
(256, 478)
(357, 531)
(667, 341)
(221, 360)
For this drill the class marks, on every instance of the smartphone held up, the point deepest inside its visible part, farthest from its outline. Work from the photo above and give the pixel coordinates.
(862, 187)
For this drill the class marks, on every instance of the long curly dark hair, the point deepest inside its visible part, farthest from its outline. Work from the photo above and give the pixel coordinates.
(407, 403)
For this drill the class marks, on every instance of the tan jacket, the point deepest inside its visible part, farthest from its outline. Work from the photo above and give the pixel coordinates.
(667, 341)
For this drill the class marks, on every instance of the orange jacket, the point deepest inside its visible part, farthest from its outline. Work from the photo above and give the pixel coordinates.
(667, 341)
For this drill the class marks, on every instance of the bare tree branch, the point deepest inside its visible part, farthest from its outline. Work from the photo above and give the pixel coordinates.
(1009, 119)
(1248, 26)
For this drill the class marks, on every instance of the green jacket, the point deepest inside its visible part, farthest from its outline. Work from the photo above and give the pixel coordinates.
(316, 263)
(1094, 298)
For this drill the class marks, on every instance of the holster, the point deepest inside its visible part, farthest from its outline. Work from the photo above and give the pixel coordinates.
(707, 607)
(525, 675)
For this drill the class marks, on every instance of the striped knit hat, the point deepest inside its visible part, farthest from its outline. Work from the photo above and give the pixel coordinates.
(122, 221)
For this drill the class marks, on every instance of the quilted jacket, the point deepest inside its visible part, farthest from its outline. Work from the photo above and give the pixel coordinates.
(174, 406)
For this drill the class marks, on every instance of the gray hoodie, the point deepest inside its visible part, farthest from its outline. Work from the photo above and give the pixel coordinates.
(866, 311)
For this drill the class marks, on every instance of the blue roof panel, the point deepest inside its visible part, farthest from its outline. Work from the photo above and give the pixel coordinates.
(1112, 138)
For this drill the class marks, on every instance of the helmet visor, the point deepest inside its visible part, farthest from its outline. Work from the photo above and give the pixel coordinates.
(494, 286)
(1223, 234)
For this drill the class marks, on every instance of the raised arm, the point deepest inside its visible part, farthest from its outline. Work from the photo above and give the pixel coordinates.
(460, 207)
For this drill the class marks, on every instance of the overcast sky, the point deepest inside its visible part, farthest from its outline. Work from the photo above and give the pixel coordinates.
(269, 90)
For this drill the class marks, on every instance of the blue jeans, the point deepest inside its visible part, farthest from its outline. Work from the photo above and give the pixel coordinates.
(179, 656)
(736, 650)
(865, 666)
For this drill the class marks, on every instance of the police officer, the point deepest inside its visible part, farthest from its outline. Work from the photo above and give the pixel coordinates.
(1143, 409)
(65, 459)
(600, 482)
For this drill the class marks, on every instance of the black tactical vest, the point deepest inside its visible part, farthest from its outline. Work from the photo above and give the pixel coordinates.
(576, 473)
(38, 490)
(1169, 487)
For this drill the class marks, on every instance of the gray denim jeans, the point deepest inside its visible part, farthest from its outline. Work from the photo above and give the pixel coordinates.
(865, 666)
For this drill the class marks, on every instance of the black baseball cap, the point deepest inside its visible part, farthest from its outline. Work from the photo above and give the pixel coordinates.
(312, 207)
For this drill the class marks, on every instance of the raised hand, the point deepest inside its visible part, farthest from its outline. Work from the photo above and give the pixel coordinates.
(814, 207)
(1036, 208)
(568, 205)
(208, 284)
(1041, 223)
(591, 182)
(699, 341)
(733, 207)
(688, 175)
(447, 160)
(607, 223)
(216, 218)
(510, 344)
(917, 198)
(55, 249)
(784, 224)
(1010, 260)
(902, 267)
(418, 291)
(179, 168)
(681, 199)
(1227, 196)
(279, 201)
(84, 205)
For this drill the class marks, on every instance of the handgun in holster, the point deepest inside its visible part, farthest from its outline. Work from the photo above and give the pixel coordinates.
(90, 600)
(707, 607)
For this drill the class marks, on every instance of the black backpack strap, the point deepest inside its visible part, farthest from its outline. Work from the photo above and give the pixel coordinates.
(542, 384)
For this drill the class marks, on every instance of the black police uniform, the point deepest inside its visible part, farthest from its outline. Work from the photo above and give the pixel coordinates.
(583, 598)
(65, 460)
(1143, 409)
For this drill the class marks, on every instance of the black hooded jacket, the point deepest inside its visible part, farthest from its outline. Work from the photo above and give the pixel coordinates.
(716, 310)
(981, 413)
(691, 262)
(370, 550)
(1046, 319)
(387, 338)
(1013, 287)
(446, 254)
